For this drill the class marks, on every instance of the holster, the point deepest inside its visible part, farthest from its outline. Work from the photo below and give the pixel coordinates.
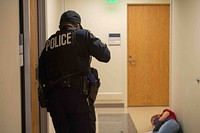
(92, 84)
(84, 85)
(41, 97)
(93, 91)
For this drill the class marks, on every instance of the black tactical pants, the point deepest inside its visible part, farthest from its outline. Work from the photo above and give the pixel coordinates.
(70, 111)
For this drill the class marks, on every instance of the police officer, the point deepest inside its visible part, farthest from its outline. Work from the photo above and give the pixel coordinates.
(62, 65)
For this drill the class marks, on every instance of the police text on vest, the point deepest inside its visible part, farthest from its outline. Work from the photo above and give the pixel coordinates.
(58, 41)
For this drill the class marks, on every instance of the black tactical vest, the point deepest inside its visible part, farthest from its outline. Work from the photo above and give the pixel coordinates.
(63, 55)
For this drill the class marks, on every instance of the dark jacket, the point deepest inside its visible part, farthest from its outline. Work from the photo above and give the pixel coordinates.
(68, 51)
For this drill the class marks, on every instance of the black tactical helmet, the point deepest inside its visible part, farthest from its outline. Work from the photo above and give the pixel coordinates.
(70, 16)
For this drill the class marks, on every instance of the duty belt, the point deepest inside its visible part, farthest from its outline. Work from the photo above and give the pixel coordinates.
(73, 79)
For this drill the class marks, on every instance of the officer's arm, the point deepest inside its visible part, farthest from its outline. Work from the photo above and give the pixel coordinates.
(97, 49)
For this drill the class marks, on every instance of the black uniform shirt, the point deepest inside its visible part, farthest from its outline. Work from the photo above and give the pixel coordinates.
(68, 51)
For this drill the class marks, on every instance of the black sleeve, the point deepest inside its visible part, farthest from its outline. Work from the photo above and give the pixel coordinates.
(97, 49)
(93, 45)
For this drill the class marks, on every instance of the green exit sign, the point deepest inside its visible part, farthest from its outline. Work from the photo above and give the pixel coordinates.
(112, 1)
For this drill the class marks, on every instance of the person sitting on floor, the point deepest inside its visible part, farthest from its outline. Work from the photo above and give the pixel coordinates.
(165, 122)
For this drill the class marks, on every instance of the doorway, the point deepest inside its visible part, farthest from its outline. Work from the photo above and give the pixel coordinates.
(148, 55)
(32, 36)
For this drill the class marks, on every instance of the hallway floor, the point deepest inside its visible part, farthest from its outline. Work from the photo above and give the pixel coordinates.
(122, 120)
(125, 120)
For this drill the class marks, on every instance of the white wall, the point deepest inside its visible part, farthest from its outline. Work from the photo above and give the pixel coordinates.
(10, 104)
(185, 92)
(54, 10)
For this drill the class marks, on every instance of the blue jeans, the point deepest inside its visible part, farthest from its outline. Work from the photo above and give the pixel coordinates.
(170, 126)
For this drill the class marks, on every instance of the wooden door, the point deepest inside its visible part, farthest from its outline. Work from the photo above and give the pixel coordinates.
(148, 55)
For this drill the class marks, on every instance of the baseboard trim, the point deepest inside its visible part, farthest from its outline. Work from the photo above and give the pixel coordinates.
(109, 105)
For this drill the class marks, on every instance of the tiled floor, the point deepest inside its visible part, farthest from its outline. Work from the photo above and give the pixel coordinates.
(123, 120)
(116, 123)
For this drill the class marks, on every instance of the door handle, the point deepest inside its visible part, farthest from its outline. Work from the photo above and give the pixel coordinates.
(131, 61)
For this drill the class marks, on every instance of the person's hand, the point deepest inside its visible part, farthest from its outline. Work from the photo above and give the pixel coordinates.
(164, 115)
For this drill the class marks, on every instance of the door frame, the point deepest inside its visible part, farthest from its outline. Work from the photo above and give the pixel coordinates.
(27, 71)
(26, 85)
(41, 44)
